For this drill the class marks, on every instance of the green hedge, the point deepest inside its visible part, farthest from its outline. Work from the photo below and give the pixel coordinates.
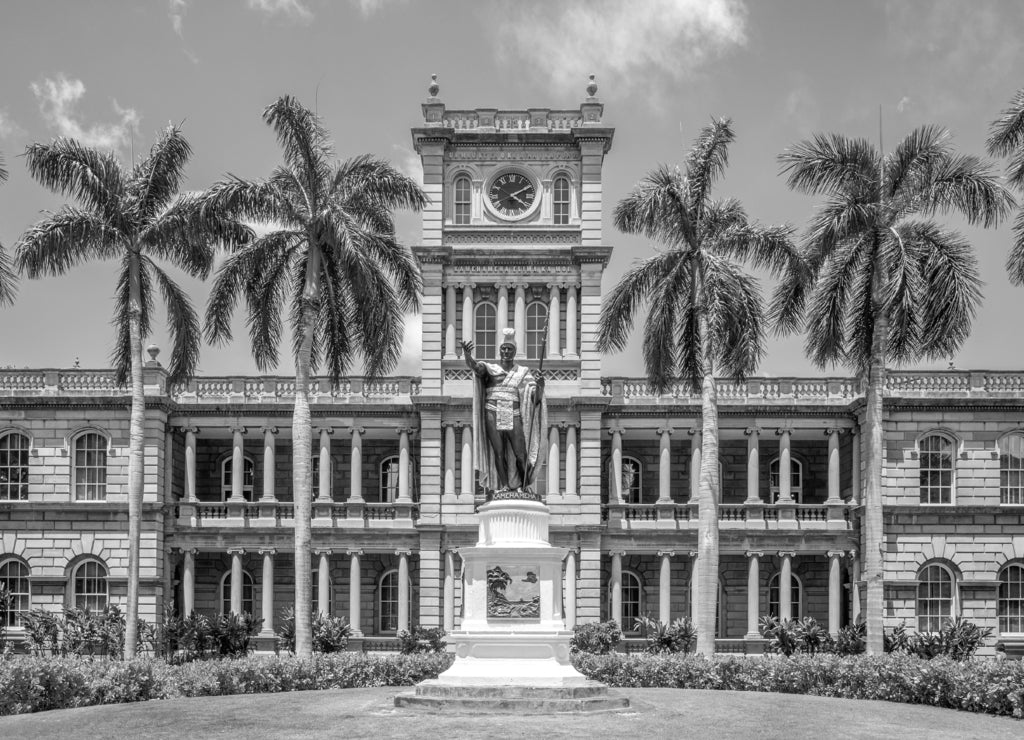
(985, 686)
(35, 684)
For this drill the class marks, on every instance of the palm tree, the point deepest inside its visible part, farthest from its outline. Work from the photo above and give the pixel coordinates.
(129, 215)
(1006, 139)
(883, 283)
(7, 278)
(334, 259)
(705, 313)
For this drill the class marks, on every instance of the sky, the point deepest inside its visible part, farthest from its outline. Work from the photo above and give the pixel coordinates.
(113, 73)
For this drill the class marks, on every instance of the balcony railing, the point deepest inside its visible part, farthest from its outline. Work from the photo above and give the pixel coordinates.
(277, 514)
(756, 515)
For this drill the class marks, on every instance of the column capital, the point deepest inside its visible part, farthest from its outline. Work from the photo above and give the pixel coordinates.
(519, 285)
(328, 430)
(448, 549)
(695, 431)
(784, 429)
(567, 425)
(666, 553)
(830, 430)
(238, 429)
(854, 430)
(665, 430)
(787, 553)
(354, 553)
(754, 554)
(193, 551)
(613, 430)
(323, 551)
(410, 430)
(267, 551)
(466, 285)
(236, 551)
(620, 553)
(693, 554)
(852, 554)
(752, 431)
(407, 553)
(357, 430)
(188, 429)
(574, 550)
(836, 553)
(453, 424)
(555, 286)
(269, 430)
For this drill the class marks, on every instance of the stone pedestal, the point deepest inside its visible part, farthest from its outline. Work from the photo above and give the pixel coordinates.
(512, 652)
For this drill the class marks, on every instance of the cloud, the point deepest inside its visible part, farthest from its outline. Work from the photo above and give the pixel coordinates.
(409, 162)
(904, 104)
(176, 12)
(369, 7)
(8, 128)
(801, 108)
(638, 45)
(58, 99)
(293, 10)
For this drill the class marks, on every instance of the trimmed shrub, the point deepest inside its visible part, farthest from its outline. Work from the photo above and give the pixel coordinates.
(958, 639)
(421, 640)
(596, 638)
(330, 634)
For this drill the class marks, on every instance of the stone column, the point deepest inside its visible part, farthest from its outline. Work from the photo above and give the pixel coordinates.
(785, 474)
(502, 321)
(753, 465)
(269, 464)
(833, 466)
(665, 587)
(570, 589)
(786, 586)
(466, 483)
(188, 582)
(268, 591)
(696, 441)
(323, 582)
(449, 590)
(854, 586)
(324, 482)
(403, 466)
(694, 588)
(356, 466)
(571, 343)
(354, 591)
(835, 587)
(571, 485)
(520, 318)
(403, 589)
(237, 464)
(554, 319)
(616, 473)
(616, 589)
(166, 484)
(855, 467)
(190, 464)
(554, 458)
(753, 594)
(665, 466)
(467, 312)
(449, 458)
(449, 322)
(236, 580)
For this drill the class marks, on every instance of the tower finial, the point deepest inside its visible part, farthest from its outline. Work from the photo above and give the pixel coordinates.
(592, 87)
(434, 88)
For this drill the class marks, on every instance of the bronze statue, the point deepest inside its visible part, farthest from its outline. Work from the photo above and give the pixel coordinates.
(509, 421)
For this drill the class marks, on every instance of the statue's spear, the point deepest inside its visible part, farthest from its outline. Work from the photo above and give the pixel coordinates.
(543, 346)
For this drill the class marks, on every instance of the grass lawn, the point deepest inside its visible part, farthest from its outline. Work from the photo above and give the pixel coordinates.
(370, 713)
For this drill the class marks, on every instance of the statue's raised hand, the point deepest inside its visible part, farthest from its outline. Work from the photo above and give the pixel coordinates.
(467, 346)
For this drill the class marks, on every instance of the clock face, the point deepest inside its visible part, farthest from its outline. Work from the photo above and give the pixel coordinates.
(512, 194)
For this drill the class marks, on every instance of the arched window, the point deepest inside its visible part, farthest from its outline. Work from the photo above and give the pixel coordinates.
(89, 586)
(936, 597)
(935, 463)
(314, 476)
(225, 593)
(14, 577)
(14, 467)
(1011, 600)
(796, 601)
(1011, 469)
(560, 200)
(389, 467)
(536, 337)
(90, 459)
(632, 594)
(486, 331)
(462, 200)
(796, 480)
(387, 602)
(226, 468)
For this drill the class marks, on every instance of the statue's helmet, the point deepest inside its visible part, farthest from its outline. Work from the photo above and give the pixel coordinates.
(508, 337)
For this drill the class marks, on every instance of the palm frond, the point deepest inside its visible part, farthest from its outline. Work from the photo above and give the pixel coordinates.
(762, 247)
(367, 181)
(632, 290)
(661, 353)
(919, 151)
(965, 185)
(3, 169)
(302, 136)
(155, 181)
(64, 239)
(8, 280)
(831, 163)
(121, 356)
(186, 235)
(706, 162)
(182, 323)
(266, 294)
(902, 290)
(1006, 133)
(842, 217)
(1015, 170)
(389, 255)
(831, 301)
(733, 303)
(657, 209)
(95, 179)
(244, 200)
(1015, 260)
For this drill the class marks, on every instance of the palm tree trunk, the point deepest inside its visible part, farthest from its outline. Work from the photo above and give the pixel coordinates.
(302, 453)
(136, 443)
(707, 504)
(872, 523)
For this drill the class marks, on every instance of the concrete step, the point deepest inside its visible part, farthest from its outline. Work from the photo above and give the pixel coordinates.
(511, 705)
(510, 691)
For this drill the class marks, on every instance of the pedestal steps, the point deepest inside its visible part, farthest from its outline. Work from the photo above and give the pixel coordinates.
(534, 698)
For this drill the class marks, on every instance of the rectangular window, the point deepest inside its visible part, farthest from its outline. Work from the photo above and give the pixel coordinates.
(91, 468)
(936, 470)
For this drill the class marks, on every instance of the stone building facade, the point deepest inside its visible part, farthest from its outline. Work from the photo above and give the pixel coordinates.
(512, 238)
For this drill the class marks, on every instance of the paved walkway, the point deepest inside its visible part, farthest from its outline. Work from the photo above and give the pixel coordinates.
(370, 713)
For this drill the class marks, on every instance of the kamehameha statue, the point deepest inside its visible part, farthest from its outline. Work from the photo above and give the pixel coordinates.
(510, 418)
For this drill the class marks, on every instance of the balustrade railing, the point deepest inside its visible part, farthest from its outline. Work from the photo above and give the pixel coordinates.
(742, 512)
(214, 511)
